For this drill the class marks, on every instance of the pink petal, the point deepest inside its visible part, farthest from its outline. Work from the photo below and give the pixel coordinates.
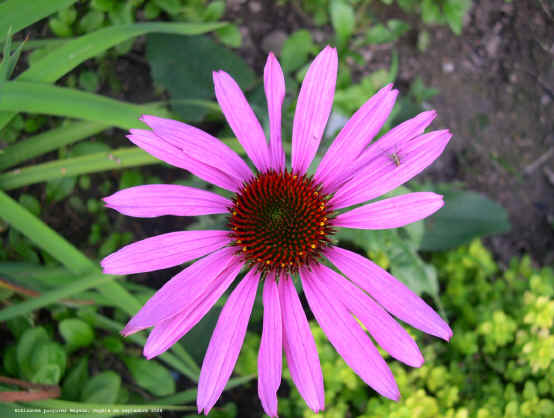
(348, 338)
(354, 137)
(392, 294)
(274, 84)
(182, 291)
(400, 134)
(388, 333)
(169, 331)
(386, 172)
(270, 355)
(242, 119)
(226, 342)
(200, 146)
(166, 199)
(156, 146)
(163, 251)
(391, 213)
(313, 108)
(300, 348)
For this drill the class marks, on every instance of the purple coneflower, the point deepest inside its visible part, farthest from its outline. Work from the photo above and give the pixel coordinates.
(281, 224)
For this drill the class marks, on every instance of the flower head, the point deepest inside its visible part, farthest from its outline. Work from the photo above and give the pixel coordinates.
(280, 225)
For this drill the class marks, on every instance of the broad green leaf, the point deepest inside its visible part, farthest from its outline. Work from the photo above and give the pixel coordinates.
(30, 339)
(18, 14)
(76, 333)
(48, 141)
(92, 163)
(410, 269)
(48, 362)
(47, 373)
(102, 388)
(296, 50)
(76, 51)
(464, 216)
(150, 375)
(229, 35)
(343, 20)
(75, 380)
(196, 58)
(22, 96)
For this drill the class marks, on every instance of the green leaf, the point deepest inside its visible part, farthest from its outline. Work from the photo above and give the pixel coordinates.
(75, 380)
(74, 52)
(296, 50)
(229, 35)
(29, 97)
(30, 339)
(184, 363)
(96, 279)
(48, 141)
(59, 189)
(89, 81)
(76, 333)
(410, 269)
(454, 12)
(196, 58)
(102, 388)
(92, 163)
(19, 14)
(9, 360)
(91, 21)
(47, 374)
(150, 375)
(343, 20)
(55, 245)
(113, 344)
(48, 361)
(9, 60)
(464, 216)
(430, 11)
(30, 203)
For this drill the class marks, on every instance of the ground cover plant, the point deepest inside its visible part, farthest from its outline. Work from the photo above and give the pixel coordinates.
(76, 75)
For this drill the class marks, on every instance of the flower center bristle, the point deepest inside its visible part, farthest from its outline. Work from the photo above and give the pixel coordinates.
(280, 221)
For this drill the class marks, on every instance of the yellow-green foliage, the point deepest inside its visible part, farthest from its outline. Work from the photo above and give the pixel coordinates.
(500, 362)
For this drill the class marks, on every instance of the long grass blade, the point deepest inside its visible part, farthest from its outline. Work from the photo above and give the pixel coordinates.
(29, 97)
(19, 14)
(48, 141)
(72, 53)
(95, 279)
(46, 238)
(92, 163)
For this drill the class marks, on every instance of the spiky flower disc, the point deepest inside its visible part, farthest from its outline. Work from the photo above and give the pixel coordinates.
(280, 221)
